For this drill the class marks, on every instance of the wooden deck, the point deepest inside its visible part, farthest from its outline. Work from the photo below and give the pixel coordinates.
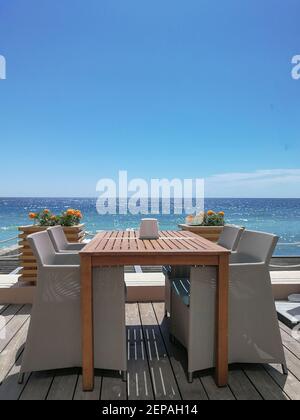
(156, 367)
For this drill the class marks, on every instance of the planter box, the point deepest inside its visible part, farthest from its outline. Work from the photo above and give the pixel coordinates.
(212, 233)
(74, 234)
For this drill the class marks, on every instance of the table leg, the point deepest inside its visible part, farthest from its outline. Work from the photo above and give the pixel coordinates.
(222, 321)
(87, 324)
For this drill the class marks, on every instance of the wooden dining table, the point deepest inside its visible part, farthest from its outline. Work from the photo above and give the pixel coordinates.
(125, 248)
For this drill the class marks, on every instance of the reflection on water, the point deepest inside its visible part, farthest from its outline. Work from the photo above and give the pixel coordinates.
(280, 216)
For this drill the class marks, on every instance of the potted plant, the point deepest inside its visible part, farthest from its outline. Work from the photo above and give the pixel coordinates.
(70, 220)
(208, 224)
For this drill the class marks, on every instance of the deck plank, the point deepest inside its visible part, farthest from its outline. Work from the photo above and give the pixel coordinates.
(289, 384)
(10, 389)
(178, 359)
(2, 308)
(264, 383)
(288, 331)
(164, 383)
(113, 388)
(14, 324)
(290, 343)
(293, 363)
(37, 386)
(241, 387)
(63, 386)
(8, 313)
(12, 351)
(139, 380)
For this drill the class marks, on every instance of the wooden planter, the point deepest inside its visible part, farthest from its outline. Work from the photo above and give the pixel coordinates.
(212, 233)
(28, 262)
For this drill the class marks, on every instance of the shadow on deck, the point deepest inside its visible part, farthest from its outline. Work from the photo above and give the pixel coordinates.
(156, 368)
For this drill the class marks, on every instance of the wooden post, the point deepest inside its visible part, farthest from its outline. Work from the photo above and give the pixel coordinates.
(222, 321)
(87, 323)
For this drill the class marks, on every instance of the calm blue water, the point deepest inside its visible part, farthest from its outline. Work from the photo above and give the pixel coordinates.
(271, 215)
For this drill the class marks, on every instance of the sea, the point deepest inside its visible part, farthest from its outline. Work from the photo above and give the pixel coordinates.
(279, 216)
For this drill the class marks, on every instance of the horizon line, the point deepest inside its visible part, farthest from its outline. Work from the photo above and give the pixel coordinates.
(95, 198)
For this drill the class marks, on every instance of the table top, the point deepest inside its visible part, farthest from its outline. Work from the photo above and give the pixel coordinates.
(168, 243)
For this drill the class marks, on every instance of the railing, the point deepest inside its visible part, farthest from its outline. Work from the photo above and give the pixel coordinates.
(9, 240)
(89, 234)
(13, 257)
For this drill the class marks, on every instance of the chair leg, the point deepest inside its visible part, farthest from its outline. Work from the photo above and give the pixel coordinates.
(124, 375)
(285, 369)
(21, 378)
(190, 377)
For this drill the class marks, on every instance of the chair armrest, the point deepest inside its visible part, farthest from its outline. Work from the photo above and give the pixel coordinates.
(61, 267)
(249, 265)
(68, 252)
(75, 247)
(236, 258)
(66, 259)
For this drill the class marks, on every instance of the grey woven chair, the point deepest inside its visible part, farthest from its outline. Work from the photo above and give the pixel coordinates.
(254, 335)
(54, 336)
(60, 243)
(229, 239)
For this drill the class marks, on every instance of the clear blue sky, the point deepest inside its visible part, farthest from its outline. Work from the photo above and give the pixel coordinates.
(166, 88)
